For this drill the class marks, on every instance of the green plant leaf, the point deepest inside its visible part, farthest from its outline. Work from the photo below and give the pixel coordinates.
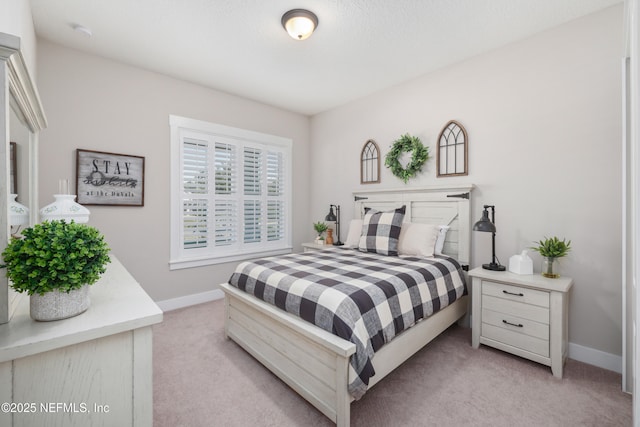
(552, 247)
(320, 227)
(407, 143)
(55, 255)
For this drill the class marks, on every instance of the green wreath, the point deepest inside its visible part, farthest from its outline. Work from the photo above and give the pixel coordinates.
(406, 143)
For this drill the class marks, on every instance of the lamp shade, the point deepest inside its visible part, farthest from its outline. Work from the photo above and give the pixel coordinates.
(300, 23)
(18, 213)
(331, 216)
(65, 207)
(485, 224)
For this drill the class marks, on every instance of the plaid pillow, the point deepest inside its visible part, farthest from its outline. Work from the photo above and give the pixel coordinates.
(381, 231)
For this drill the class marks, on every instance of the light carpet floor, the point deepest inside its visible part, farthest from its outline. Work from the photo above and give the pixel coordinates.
(203, 379)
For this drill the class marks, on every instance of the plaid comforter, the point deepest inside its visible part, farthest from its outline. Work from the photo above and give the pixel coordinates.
(364, 298)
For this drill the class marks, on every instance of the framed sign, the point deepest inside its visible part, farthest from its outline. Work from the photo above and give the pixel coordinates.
(109, 178)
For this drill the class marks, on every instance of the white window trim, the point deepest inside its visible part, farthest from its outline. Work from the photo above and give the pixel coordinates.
(178, 125)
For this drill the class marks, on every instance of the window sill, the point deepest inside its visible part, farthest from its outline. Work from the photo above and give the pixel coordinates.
(180, 263)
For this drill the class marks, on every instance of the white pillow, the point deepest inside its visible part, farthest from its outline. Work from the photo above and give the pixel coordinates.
(417, 239)
(353, 236)
(442, 235)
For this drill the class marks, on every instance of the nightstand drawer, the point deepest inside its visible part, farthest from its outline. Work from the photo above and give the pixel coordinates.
(516, 293)
(515, 339)
(516, 324)
(514, 308)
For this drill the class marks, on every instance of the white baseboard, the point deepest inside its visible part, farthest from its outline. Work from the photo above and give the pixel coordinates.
(577, 352)
(187, 300)
(595, 357)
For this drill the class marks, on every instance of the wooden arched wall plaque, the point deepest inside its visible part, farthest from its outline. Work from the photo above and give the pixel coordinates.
(452, 150)
(370, 163)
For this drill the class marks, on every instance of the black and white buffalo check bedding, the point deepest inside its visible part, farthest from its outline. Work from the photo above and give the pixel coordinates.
(364, 298)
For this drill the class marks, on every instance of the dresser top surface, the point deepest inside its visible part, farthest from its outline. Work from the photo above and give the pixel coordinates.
(537, 281)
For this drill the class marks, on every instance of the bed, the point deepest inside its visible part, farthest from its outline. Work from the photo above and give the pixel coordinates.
(317, 363)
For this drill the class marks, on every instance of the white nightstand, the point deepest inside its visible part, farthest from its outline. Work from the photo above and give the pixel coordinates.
(527, 315)
(312, 246)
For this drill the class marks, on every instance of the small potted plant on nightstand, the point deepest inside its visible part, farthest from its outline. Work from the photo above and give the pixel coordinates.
(55, 262)
(551, 249)
(320, 228)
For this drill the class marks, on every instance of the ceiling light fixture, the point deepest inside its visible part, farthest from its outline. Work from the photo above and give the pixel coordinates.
(299, 23)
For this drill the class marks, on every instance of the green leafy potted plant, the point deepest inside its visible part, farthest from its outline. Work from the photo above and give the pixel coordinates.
(55, 262)
(551, 249)
(320, 228)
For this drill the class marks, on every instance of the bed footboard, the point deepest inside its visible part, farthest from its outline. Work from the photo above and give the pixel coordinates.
(313, 362)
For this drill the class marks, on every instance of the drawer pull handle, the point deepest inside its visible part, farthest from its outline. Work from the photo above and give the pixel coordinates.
(513, 293)
(517, 325)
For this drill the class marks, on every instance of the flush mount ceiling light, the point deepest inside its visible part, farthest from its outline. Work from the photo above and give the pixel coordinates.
(299, 23)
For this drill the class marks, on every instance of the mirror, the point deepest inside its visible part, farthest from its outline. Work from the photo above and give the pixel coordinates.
(21, 118)
(19, 183)
(19, 135)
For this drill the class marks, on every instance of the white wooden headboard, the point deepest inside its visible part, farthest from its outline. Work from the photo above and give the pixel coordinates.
(439, 205)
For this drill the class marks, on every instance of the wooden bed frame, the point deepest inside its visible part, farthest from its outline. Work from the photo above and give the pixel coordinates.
(314, 362)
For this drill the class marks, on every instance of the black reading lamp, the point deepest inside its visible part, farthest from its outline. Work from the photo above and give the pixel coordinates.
(331, 217)
(488, 225)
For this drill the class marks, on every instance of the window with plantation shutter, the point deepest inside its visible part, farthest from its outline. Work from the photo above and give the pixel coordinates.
(231, 194)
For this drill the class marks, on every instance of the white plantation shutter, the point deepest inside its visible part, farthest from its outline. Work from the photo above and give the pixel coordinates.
(252, 221)
(225, 213)
(226, 222)
(275, 220)
(252, 164)
(195, 183)
(225, 168)
(234, 191)
(275, 173)
(275, 196)
(252, 213)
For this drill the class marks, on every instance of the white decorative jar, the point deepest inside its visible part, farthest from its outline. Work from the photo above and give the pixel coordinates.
(521, 264)
(56, 305)
(65, 208)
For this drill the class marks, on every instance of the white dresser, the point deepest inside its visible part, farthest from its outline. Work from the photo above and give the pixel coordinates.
(526, 315)
(94, 369)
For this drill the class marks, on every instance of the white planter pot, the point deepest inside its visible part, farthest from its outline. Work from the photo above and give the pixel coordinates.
(58, 305)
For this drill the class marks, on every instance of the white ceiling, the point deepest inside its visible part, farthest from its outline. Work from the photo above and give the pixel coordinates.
(240, 47)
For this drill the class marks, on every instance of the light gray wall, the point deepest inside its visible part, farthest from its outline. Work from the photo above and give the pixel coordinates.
(543, 118)
(16, 19)
(96, 104)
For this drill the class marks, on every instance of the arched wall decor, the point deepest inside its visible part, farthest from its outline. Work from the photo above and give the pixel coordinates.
(370, 163)
(452, 150)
